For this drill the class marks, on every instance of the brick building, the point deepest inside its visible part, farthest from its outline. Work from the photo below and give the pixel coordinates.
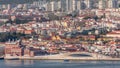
(15, 49)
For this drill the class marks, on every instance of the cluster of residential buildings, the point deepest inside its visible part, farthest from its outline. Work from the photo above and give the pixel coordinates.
(55, 37)
(92, 30)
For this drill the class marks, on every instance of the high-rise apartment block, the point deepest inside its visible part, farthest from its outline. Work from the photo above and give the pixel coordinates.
(71, 5)
(108, 4)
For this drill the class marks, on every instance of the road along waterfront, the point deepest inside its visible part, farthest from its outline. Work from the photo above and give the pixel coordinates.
(68, 56)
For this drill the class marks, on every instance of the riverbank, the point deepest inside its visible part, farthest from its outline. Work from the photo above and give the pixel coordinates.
(66, 56)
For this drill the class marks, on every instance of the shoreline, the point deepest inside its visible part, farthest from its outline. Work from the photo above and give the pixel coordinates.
(112, 59)
(66, 56)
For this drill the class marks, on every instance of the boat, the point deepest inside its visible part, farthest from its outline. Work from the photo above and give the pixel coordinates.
(66, 60)
(11, 58)
(1, 58)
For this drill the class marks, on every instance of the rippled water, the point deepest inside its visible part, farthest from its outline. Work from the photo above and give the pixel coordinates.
(57, 64)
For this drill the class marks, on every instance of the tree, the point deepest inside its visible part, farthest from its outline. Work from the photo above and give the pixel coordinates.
(87, 17)
(10, 36)
(53, 17)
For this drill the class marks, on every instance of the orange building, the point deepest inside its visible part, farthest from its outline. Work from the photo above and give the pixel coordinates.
(28, 31)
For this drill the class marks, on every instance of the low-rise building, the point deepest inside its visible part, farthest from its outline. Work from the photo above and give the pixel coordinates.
(114, 34)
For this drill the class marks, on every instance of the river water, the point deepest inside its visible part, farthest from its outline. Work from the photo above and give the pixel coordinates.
(57, 64)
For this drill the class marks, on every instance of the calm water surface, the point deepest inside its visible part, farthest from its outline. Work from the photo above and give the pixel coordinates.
(57, 64)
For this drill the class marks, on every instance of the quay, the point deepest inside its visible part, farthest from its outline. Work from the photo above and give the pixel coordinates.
(66, 56)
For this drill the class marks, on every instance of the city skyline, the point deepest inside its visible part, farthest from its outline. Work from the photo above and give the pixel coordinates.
(69, 5)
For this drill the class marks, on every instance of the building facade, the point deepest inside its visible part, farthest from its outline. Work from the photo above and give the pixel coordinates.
(15, 49)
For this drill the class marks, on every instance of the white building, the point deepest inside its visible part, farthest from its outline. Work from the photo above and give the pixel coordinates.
(78, 4)
(71, 5)
(40, 3)
(102, 4)
(108, 4)
(113, 4)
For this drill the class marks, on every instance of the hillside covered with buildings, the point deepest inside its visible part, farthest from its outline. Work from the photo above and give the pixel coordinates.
(52, 27)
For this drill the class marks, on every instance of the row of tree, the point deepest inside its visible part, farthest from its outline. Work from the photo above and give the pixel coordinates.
(17, 21)
(11, 36)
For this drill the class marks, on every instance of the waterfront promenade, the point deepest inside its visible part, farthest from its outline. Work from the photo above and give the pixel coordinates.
(67, 56)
